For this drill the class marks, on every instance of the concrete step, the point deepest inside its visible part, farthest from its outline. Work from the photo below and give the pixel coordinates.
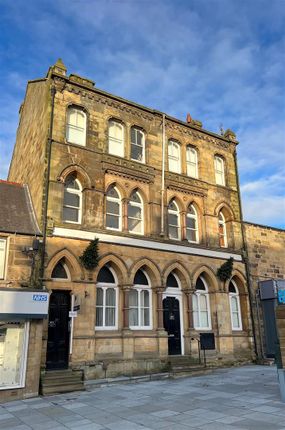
(63, 388)
(61, 381)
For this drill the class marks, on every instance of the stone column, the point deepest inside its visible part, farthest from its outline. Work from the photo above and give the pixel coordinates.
(159, 292)
(125, 215)
(191, 346)
(183, 225)
(126, 290)
(161, 333)
(127, 334)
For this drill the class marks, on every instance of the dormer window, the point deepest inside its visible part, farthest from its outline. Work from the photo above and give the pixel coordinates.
(137, 145)
(76, 126)
(116, 138)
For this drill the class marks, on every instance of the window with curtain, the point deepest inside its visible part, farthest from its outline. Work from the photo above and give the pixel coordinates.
(201, 305)
(173, 221)
(222, 231)
(135, 214)
(76, 126)
(140, 302)
(137, 145)
(113, 209)
(106, 300)
(3, 243)
(72, 200)
(116, 138)
(192, 162)
(219, 170)
(192, 225)
(174, 159)
(235, 306)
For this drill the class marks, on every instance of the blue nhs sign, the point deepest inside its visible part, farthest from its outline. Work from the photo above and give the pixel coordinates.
(40, 297)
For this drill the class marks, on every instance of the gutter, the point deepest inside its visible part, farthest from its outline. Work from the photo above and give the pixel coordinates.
(162, 176)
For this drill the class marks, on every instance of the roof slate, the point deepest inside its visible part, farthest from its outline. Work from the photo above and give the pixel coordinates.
(16, 210)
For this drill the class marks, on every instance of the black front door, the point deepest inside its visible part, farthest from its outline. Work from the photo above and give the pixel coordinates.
(58, 330)
(171, 322)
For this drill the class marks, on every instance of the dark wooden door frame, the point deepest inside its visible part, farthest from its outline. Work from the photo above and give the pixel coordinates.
(58, 330)
(172, 324)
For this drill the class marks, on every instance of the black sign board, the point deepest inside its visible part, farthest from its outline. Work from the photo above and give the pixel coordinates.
(207, 341)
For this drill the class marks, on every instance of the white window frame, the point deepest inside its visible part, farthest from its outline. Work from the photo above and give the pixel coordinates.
(119, 142)
(79, 193)
(173, 159)
(222, 223)
(138, 205)
(198, 294)
(3, 257)
(190, 162)
(24, 356)
(138, 131)
(237, 297)
(105, 286)
(116, 200)
(76, 127)
(140, 288)
(177, 213)
(195, 217)
(219, 173)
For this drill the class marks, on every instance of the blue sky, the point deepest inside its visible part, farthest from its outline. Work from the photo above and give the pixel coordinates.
(221, 60)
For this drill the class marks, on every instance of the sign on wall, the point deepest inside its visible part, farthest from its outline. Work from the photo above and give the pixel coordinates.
(25, 304)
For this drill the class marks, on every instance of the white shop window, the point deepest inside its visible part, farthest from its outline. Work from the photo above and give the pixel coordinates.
(3, 246)
(13, 354)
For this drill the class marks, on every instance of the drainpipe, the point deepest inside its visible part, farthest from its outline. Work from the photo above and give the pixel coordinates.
(162, 176)
(245, 258)
(46, 189)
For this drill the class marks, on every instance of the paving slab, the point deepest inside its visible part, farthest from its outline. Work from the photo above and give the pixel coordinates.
(239, 398)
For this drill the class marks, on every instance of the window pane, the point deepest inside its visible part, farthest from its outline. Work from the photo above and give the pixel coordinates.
(195, 302)
(70, 214)
(110, 317)
(112, 221)
(134, 211)
(196, 319)
(134, 225)
(71, 182)
(99, 297)
(113, 207)
(136, 153)
(110, 297)
(2, 257)
(80, 119)
(190, 222)
(72, 116)
(204, 319)
(133, 317)
(191, 235)
(172, 219)
(234, 304)
(145, 317)
(145, 298)
(71, 199)
(235, 319)
(203, 302)
(173, 232)
(59, 271)
(112, 192)
(133, 298)
(75, 135)
(99, 317)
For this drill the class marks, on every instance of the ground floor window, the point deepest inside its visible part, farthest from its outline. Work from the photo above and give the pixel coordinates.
(13, 354)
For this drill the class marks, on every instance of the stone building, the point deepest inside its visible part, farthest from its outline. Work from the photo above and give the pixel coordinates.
(162, 197)
(22, 305)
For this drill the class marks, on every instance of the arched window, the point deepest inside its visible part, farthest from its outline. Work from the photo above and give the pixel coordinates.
(72, 200)
(235, 306)
(106, 300)
(135, 214)
(174, 159)
(192, 162)
(192, 225)
(60, 271)
(173, 221)
(222, 231)
(201, 305)
(76, 126)
(137, 145)
(219, 170)
(140, 302)
(116, 138)
(113, 209)
(172, 281)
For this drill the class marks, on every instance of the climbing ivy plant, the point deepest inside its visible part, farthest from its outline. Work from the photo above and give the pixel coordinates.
(225, 271)
(90, 256)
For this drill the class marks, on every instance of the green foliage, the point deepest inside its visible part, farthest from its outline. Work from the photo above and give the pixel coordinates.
(225, 271)
(90, 257)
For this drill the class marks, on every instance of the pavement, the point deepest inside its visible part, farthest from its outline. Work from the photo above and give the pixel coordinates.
(228, 399)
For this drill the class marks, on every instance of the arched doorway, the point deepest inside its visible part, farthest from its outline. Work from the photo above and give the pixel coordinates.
(172, 311)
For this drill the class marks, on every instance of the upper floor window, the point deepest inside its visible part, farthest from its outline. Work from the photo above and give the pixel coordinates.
(140, 302)
(235, 306)
(116, 138)
(219, 170)
(76, 126)
(3, 243)
(72, 200)
(173, 221)
(113, 209)
(223, 242)
(106, 299)
(135, 214)
(192, 162)
(192, 225)
(137, 145)
(174, 159)
(201, 305)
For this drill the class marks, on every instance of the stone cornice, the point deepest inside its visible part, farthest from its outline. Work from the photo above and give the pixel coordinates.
(127, 169)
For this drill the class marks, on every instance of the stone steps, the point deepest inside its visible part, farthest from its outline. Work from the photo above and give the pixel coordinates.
(61, 381)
